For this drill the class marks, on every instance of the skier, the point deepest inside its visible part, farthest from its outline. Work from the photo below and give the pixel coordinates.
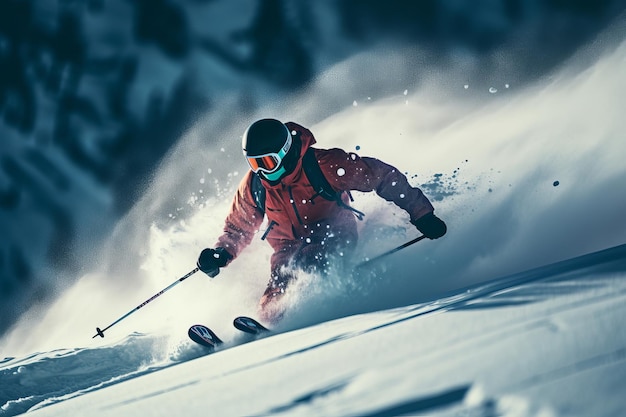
(309, 228)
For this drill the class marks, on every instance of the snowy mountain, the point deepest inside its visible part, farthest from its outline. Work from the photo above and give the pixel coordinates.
(545, 342)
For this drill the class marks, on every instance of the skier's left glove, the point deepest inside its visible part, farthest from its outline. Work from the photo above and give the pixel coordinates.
(211, 260)
(431, 226)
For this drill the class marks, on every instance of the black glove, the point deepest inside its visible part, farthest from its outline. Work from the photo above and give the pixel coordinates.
(211, 260)
(431, 226)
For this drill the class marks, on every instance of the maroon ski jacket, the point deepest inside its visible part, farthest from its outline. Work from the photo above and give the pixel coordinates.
(296, 217)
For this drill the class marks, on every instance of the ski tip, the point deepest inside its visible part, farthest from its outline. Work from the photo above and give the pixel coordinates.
(249, 325)
(203, 336)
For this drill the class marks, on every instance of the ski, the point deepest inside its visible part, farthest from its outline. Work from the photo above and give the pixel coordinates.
(204, 336)
(249, 325)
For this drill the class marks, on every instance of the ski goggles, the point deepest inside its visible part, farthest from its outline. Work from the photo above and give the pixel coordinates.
(269, 162)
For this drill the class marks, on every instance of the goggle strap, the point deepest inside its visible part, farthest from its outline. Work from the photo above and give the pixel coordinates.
(270, 162)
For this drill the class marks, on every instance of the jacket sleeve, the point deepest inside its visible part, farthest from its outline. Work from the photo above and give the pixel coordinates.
(348, 171)
(243, 220)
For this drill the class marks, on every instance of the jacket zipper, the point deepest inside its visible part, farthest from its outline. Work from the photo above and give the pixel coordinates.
(269, 229)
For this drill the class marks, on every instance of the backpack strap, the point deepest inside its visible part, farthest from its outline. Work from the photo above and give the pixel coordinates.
(258, 192)
(315, 175)
(321, 185)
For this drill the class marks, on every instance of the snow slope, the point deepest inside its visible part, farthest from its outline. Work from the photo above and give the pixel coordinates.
(546, 342)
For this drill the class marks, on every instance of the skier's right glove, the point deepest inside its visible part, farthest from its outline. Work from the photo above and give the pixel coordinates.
(211, 260)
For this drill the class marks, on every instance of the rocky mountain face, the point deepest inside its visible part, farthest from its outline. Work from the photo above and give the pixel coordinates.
(94, 93)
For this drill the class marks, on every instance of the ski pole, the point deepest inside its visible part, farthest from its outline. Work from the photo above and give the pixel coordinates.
(389, 252)
(101, 332)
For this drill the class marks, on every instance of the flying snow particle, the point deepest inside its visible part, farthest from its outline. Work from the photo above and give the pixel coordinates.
(493, 90)
(406, 92)
(341, 172)
(354, 103)
(555, 184)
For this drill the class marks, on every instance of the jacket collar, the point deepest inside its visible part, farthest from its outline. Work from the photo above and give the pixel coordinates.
(307, 140)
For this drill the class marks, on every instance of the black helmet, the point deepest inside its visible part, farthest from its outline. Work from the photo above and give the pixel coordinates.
(268, 148)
